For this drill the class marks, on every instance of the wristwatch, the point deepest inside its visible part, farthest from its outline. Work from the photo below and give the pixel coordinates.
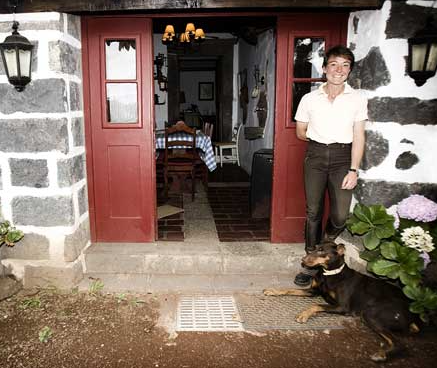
(354, 170)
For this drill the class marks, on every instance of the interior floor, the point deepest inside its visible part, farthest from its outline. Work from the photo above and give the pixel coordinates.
(221, 211)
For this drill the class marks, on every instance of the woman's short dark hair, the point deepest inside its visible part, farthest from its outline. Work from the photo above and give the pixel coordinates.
(342, 51)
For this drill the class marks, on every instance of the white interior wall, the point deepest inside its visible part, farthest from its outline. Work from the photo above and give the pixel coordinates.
(263, 55)
(189, 84)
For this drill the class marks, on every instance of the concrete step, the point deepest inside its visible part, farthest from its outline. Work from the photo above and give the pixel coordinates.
(191, 266)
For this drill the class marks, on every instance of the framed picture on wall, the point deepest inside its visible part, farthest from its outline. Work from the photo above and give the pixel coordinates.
(206, 91)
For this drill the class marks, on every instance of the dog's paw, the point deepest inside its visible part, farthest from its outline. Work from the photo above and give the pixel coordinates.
(270, 292)
(302, 317)
(380, 356)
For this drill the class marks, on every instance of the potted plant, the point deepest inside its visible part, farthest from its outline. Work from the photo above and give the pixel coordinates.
(399, 246)
(9, 235)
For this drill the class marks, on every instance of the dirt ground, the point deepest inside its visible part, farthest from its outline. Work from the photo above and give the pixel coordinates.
(48, 328)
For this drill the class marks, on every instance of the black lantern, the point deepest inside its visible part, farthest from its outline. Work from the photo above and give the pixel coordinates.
(16, 53)
(422, 54)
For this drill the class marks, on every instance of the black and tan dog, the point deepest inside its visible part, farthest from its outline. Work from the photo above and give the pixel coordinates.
(382, 306)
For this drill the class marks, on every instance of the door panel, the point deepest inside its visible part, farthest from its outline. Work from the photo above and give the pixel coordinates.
(295, 76)
(120, 111)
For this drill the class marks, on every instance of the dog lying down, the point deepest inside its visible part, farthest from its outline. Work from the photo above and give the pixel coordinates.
(382, 306)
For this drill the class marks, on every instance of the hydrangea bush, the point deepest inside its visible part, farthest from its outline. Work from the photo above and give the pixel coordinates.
(400, 243)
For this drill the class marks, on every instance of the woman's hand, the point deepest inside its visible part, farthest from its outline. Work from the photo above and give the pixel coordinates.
(350, 180)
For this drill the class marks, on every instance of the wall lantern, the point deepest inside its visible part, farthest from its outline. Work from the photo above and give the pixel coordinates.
(159, 76)
(191, 34)
(16, 53)
(422, 54)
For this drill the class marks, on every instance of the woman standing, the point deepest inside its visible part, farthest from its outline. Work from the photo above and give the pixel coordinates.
(332, 120)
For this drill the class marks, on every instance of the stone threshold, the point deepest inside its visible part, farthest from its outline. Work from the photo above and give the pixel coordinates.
(212, 267)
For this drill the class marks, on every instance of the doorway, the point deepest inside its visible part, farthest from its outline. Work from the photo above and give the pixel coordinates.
(121, 148)
(216, 63)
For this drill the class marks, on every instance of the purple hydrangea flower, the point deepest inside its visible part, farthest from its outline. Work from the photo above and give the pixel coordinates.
(426, 259)
(417, 207)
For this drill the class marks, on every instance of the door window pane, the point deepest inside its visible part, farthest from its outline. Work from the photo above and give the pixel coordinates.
(120, 59)
(308, 57)
(300, 89)
(121, 102)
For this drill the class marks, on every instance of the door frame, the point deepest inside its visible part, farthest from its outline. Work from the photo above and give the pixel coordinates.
(282, 98)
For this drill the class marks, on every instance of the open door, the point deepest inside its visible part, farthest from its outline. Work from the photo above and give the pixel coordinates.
(298, 37)
(118, 90)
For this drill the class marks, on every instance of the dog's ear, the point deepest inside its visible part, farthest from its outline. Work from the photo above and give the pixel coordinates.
(341, 249)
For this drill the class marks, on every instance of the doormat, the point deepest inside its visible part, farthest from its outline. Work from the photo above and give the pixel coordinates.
(168, 210)
(260, 312)
(208, 313)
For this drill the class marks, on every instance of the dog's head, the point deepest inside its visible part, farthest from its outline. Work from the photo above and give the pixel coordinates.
(328, 255)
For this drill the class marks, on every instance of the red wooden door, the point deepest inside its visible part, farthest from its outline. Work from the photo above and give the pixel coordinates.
(118, 83)
(298, 37)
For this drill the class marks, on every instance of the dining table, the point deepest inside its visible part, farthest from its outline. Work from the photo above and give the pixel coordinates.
(203, 143)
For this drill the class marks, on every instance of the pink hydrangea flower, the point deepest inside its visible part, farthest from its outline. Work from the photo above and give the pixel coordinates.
(418, 208)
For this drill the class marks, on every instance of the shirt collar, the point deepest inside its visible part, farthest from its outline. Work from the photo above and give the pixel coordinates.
(347, 88)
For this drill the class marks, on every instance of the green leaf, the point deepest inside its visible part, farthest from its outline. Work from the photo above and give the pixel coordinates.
(370, 255)
(380, 216)
(370, 240)
(13, 236)
(417, 307)
(386, 268)
(360, 228)
(390, 250)
(385, 231)
(410, 280)
(362, 212)
(412, 291)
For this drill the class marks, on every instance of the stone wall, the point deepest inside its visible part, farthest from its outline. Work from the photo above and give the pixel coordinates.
(42, 154)
(401, 135)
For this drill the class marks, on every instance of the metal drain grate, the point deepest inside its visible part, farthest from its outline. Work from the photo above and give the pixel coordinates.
(208, 313)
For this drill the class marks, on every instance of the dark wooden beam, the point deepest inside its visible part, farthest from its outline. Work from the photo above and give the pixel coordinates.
(93, 6)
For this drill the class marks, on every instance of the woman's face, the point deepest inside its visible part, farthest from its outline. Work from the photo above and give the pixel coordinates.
(337, 70)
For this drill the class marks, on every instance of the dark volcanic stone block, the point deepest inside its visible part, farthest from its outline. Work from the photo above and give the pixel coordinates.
(29, 173)
(388, 193)
(41, 95)
(43, 211)
(376, 150)
(406, 160)
(34, 135)
(403, 110)
(405, 20)
(371, 72)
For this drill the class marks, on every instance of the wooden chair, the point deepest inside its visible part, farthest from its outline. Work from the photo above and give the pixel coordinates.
(231, 146)
(180, 156)
(207, 129)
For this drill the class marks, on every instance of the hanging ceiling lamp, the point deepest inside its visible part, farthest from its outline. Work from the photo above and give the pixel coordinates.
(191, 34)
(16, 52)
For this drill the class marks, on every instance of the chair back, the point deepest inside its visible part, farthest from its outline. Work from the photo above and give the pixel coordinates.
(207, 129)
(180, 143)
(180, 155)
(237, 134)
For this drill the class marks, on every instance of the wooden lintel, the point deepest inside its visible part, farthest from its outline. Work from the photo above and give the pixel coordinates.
(96, 6)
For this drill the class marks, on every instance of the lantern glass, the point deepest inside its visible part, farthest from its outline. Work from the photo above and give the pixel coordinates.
(432, 59)
(11, 62)
(418, 57)
(25, 59)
